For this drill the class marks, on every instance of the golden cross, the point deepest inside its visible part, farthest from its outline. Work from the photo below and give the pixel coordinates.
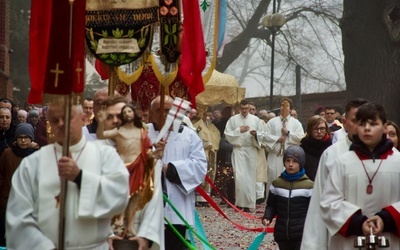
(56, 71)
(79, 70)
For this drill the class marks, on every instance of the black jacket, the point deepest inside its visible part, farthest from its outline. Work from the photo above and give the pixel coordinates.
(289, 200)
(313, 149)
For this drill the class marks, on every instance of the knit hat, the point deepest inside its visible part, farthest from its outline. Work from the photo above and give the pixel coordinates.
(22, 113)
(25, 129)
(296, 153)
(34, 112)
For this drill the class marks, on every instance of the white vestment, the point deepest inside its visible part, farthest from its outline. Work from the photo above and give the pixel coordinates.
(345, 193)
(149, 222)
(32, 212)
(339, 135)
(244, 156)
(185, 151)
(273, 132)
(315, 233)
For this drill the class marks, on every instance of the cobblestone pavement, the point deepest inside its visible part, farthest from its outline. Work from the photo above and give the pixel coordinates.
(222, 234)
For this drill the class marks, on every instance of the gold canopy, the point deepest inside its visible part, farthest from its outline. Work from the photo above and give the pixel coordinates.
(220, 88)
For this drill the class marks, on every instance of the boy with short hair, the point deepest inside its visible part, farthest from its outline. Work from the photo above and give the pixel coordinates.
(289, 197)
(362, 192)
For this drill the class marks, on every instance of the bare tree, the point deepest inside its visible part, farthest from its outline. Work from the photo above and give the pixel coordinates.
(311, 38)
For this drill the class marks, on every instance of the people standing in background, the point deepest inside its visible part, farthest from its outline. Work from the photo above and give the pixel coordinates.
(210, 136)
(22, 116)
(252, 108)
(7, 129)
(216, 115)
(293, 113)
(98, 99)
(87, 106)
(314, 143)
(393, 133)
(39, 127)
(330, 117)
(10, 159)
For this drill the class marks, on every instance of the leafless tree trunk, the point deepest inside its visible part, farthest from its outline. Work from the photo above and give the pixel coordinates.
(371, 45)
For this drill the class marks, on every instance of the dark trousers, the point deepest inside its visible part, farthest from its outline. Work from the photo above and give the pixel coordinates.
(289, 245)
(172, 241)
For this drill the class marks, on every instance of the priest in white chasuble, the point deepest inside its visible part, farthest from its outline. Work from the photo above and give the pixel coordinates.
(362, 193)
(242, 131)
(281, 132)
(97, 182)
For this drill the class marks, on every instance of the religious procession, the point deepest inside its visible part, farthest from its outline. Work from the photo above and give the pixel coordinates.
(168, 152)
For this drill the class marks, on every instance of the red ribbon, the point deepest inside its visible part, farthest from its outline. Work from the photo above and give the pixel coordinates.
(215, 206)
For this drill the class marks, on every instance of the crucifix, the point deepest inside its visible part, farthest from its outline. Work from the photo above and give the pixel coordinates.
(56, 71)
(78, 71)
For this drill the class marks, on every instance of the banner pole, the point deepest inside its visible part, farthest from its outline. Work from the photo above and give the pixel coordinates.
(64, 182)
(66, 141)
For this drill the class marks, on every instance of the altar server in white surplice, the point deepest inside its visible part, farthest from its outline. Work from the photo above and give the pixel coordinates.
(362, 192)
(281, 132)
(242, 131)
(97, 180)
(184, 167)
(315, 235)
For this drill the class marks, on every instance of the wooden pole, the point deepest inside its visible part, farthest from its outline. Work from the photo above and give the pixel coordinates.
(66, 141)
(162, 101)
(64, 182)
(112, 80)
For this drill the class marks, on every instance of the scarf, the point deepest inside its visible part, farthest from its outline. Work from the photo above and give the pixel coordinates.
(315, 147)
(381, 151)
(22, 152)
(293, 177)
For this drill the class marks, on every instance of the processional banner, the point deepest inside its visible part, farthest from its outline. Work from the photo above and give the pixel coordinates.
(56, 44)
(118, 32)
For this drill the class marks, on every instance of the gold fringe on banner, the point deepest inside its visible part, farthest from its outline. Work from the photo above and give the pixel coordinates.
(130, 78)
(170, 77)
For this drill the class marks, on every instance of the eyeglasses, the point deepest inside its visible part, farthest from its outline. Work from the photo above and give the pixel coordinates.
(23, 137)
(323, 129)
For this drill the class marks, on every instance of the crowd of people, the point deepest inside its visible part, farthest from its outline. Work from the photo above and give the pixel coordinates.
(334, 177)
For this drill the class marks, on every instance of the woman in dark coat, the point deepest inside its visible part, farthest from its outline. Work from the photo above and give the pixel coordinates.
(9, 162)
(315, 143)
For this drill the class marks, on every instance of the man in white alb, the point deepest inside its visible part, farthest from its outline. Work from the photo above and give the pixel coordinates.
(97, 181)
(242, 131)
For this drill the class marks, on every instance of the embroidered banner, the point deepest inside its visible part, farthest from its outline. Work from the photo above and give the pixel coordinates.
(118, 32)
(170, 28)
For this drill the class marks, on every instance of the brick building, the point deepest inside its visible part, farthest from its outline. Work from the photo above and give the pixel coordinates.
(6, 88)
